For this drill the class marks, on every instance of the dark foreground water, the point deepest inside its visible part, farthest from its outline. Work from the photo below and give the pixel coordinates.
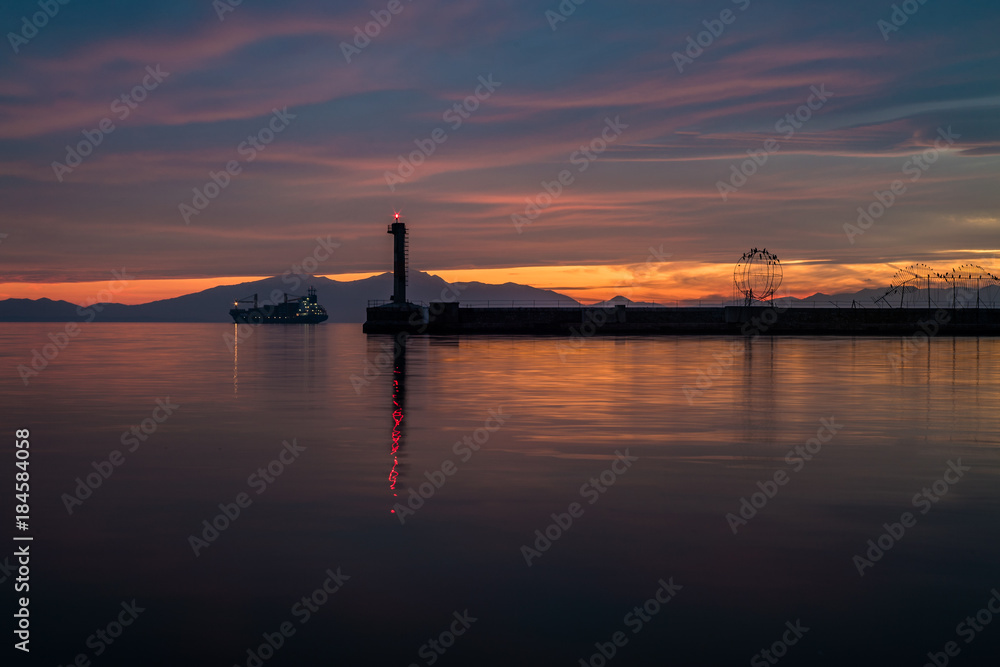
(639, 447)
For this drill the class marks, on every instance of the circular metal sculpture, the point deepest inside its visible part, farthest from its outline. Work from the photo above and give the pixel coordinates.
(757, 275)
(971, 286)
(907, 283)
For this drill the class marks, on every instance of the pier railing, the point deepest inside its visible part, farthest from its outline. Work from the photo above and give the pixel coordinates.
(375, 303)
(520, 303)
(694, 303)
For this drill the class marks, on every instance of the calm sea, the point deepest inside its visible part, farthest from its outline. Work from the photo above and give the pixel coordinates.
(697, 500)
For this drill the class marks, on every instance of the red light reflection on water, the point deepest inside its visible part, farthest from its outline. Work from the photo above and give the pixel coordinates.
(397, 433)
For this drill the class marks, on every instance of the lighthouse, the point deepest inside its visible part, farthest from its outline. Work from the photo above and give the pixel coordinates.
(400, 254)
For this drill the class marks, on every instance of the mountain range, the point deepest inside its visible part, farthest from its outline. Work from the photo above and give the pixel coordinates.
(345, 301)
(881, 297)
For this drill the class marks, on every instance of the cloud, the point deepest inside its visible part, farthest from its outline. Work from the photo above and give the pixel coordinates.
(326, 173)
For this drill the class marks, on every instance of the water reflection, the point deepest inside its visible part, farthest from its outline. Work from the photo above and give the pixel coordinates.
(398, 406)
(291, 355)
(570, 404)
(759, 394)
(236, 359)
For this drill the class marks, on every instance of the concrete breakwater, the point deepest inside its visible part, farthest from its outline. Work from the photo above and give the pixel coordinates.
(450, 319)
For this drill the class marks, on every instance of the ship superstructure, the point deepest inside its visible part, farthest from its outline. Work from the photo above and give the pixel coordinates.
(293, 310)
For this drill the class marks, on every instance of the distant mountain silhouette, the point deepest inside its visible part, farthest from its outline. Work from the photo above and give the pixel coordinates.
(940, 297)
(912, 297)
(620, 300)
(344, 301)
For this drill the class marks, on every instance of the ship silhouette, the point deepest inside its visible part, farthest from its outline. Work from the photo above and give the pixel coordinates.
(293, 310)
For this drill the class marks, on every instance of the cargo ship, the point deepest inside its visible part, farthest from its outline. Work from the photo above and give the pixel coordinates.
(293, 310)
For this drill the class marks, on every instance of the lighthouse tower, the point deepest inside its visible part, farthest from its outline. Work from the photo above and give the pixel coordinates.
(400, 257)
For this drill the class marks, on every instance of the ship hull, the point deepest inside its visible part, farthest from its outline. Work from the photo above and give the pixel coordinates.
(261, 316)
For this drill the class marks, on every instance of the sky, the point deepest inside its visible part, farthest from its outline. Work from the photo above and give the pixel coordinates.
(600, 148)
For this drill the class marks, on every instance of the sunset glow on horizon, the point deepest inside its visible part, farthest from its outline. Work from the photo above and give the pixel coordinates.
(654, 282)
(513, 149)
